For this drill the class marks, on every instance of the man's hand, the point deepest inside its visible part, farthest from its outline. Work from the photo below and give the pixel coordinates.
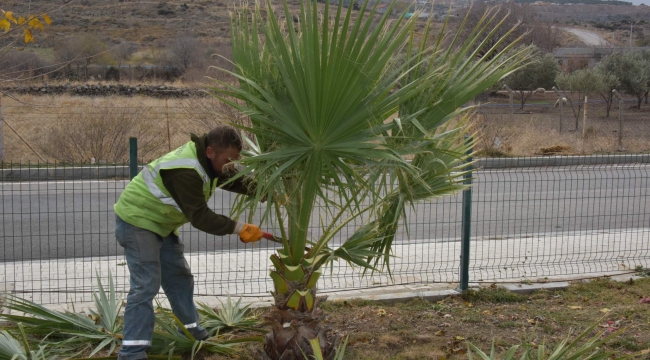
(249, 233)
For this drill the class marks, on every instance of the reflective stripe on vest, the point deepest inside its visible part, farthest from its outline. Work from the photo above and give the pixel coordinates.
(148, 176)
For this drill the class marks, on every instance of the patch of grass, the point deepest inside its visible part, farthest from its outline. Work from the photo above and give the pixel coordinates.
(627, 343)
(492, 295)
(508, 324)
(335, 305)
(417, 304)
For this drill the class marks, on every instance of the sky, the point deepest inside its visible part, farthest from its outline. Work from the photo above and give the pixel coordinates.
(639, 2)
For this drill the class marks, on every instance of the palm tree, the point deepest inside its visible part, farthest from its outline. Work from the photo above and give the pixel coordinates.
(318, 90)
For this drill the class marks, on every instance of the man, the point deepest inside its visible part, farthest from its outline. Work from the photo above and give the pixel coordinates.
(168, 193)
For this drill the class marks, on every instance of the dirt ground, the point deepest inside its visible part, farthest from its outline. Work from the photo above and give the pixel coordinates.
(528, 131)
(421, 329)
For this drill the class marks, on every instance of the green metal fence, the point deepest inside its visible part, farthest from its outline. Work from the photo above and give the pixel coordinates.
(540, 207)
(582, 217)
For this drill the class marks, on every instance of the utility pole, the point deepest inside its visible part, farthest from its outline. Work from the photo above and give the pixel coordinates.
(631, 23)
(561, 97)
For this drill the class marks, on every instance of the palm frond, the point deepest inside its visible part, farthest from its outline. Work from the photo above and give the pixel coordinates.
(10, 348)
(230, 316)
(439, 138)
(21, 348)
(171, 337)
(99, 330)
(316, 111)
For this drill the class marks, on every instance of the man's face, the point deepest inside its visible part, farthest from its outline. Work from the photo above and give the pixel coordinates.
(222, 159)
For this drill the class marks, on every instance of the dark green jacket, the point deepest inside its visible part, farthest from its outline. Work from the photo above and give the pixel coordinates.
(186, 188)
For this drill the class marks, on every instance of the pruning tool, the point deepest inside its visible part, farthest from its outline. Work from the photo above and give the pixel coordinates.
(271, 237)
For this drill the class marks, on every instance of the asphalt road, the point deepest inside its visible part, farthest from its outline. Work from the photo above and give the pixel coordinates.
(588, 37)
(46, 220)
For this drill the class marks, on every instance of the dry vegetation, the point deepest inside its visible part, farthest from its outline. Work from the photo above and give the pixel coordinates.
(535, 130)
(76, 129)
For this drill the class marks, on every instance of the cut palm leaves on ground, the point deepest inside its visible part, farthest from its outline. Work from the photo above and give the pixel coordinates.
(318, 91)
(230, 316)
(19, 348)
(579, 348)
(169, 340)
(98, 330)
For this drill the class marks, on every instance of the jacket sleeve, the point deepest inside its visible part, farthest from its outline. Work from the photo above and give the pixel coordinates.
(186, 188)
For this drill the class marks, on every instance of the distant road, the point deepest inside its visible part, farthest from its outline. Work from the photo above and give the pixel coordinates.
(588, 37)
(65, 219)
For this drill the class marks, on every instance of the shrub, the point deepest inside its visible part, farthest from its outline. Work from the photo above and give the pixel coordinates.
(101, 132)
(165, 12)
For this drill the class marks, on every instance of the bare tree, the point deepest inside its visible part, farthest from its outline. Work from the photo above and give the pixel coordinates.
(535, 32)
(186, 51)
(544, 35)
(123, 52)
(82, 50)
(511, 13)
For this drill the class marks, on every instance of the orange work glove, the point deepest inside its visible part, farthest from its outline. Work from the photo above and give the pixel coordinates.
(248, 232)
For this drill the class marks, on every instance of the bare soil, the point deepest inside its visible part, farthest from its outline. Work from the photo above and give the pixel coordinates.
(421, 329)
(528, 131)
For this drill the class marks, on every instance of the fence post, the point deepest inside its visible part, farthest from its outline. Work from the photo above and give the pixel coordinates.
(584, 120)
(561, 104)
(620, 120)
(2, 136)
(512, 105)
(466, 225)
(133, 157)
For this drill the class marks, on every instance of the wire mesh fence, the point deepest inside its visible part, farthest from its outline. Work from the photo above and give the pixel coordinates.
(526, 222)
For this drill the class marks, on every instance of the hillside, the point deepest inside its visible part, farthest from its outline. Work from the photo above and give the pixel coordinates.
(183, 35)
(141, 22)
(151, 23)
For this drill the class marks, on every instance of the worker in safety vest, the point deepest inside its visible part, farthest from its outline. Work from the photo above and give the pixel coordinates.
(167, 193)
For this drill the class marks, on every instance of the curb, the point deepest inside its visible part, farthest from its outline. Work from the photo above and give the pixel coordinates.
(65, 173)
(122, 171)
(516, 162)
(391, 296)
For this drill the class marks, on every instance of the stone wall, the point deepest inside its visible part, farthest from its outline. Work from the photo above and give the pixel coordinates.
(109, 89)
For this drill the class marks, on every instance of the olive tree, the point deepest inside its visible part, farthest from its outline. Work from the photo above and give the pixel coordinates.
(581, 83)
(539, 73)
(608, 69)
(631, 71)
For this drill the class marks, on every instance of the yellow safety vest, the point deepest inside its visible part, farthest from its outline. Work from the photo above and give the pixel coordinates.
(146, 203)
